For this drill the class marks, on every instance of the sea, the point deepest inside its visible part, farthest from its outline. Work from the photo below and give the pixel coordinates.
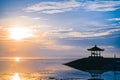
(45, 69)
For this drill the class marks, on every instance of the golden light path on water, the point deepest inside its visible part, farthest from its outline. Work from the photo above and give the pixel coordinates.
(22, 68)
(15, 77)
(20, 76)
(27, 76)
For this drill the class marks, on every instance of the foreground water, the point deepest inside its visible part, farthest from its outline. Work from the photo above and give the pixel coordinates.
(43, 69)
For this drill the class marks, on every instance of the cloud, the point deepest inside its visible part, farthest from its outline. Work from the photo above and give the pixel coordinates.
(92, 34)
(70, 5)
(107, 47)
(57, 11)
(85, 34)
(54, 7)
(114, 19)
(102, 6)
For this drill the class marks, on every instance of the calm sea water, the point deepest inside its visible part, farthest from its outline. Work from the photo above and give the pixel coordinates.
(43, 69)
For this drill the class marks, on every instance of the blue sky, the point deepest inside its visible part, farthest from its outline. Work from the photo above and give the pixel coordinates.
(63, 28)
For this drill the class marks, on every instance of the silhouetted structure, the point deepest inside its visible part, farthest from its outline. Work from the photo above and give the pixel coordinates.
(96, 64)
(95, 51)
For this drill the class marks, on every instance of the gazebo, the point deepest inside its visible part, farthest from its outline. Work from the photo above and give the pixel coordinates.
(95, 51)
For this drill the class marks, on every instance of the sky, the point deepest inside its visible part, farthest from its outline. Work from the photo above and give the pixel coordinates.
(58, 28)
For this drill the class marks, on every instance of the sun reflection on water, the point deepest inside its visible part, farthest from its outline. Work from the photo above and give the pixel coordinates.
(25, 76)
(17, 59)
(15, 77)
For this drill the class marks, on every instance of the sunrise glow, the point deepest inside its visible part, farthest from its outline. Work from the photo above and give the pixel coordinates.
(19, 33)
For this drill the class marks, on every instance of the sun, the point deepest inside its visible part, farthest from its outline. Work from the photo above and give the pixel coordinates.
(19, 33)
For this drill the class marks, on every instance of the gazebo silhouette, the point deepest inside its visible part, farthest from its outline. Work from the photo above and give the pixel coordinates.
(96, 64)
(95, 51)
